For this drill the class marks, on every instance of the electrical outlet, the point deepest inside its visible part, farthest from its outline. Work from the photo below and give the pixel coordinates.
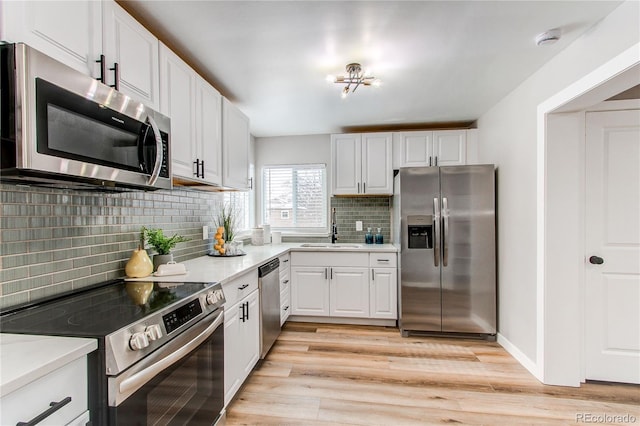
(358, 225)
(205, 232)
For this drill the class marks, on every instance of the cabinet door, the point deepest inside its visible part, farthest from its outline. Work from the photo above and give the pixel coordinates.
(235, 147)
(384, 293)
(135, 49)
(250, 335)
(449, 147)
(232, 351)
(209, 130)
(70, 32)
(416, 149)
(346, 156)
(349, 292)
(177, 102)
(309, 290)
(377, 174)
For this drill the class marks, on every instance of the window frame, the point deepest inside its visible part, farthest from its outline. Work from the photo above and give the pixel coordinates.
(298, 231)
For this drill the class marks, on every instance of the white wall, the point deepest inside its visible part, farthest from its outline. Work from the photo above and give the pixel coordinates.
(507, 137)
(304, 149)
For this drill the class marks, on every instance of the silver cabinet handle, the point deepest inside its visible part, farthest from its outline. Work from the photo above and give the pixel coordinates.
(445, 232)
(159, 154)
(436, 227)
(382, 260)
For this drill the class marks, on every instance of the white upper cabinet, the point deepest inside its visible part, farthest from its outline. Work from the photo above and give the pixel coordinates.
(194, 107)
(209, 130)
(235, 147)
(432, 148)
(70, 32)
(135, 51)
(177, 101)
(362, 164)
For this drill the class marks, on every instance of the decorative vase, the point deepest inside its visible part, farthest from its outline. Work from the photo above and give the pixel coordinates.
(139, 264)
(161, 259)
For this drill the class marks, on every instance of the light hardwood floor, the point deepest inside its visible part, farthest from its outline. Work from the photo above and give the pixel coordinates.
(325, 374)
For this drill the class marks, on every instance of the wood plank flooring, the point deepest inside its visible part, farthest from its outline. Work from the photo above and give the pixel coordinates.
(327, 374)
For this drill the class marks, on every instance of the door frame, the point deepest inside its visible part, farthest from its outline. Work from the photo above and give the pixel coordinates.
(560, 216)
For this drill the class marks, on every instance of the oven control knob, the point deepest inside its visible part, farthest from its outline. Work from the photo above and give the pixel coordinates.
(153, 332)
(212, 298)
(138, 341)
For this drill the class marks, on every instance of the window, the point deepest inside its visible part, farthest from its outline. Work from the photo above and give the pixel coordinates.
(295, 197)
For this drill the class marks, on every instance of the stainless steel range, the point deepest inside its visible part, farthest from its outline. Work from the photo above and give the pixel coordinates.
(160, 357)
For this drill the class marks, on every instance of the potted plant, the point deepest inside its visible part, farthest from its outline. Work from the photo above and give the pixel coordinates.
(227, 219)
(161, 244)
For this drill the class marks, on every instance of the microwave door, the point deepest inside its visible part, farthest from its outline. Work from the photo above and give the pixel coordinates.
(151, 151)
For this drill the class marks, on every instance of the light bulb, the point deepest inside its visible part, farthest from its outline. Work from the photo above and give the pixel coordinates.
(331, 78)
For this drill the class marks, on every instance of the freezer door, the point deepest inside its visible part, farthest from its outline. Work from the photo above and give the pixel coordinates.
(468, 249)
(420, 248)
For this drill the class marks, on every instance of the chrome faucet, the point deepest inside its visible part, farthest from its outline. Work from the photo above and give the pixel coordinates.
(334, 227)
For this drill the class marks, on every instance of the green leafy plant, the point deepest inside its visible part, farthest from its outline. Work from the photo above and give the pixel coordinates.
(227, 218)
(160, 242)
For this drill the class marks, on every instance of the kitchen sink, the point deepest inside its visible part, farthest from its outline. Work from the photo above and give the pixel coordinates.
(332, 246)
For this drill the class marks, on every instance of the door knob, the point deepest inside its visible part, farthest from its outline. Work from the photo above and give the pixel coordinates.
(596, 260)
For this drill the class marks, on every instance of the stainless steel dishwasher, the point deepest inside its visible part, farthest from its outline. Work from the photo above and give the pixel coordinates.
(269, 286)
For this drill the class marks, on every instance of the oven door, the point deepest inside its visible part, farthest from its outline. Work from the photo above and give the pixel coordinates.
(180, 383)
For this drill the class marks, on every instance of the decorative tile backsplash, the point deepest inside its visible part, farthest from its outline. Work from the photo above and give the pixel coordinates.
(374, 212)
(53, 241)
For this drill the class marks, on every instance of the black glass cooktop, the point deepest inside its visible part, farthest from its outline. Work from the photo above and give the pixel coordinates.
(99, 311)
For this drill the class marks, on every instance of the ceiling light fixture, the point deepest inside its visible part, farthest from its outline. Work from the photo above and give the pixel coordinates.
(354, 78)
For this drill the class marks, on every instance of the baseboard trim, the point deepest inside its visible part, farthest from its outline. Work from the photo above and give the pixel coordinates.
(344, 320)
(526, 362)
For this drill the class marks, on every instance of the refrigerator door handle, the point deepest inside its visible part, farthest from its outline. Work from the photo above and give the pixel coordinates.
(445, 231)
(436, 227)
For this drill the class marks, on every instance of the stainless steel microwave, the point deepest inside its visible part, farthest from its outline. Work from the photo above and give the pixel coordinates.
(62, 128)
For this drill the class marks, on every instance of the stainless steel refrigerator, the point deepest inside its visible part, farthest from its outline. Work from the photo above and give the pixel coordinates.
(445, 223)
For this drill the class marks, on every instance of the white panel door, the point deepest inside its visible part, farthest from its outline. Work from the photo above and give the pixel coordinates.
(384, 293)
(349, 292)
(450, 147)
(612, 323)
(209, 130)
(177, 102)
(250, 326)
(135, 50)
(70, 32)
(346, 155)
(310, 290)
(377, 174)
(235, 146)
(232, 351)
(416, 149)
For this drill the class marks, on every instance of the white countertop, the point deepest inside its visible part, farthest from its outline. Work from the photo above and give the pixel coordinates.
(221, 269)
(25, 358)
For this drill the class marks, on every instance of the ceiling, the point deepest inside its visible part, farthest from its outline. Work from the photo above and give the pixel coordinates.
(439, 61)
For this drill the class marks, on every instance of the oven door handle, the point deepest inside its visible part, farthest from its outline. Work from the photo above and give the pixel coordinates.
(137, 380)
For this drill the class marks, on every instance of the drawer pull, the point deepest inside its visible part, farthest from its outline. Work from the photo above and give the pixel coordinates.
(286, 308)
(383, 260)
(286, 260)
(243, 286)
(285, 281)
(55, 406)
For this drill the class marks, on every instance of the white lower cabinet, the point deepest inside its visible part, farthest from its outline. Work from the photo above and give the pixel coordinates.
(285, 287)
(66, 387)
(345, 284)
(241, 331)
(349, 292)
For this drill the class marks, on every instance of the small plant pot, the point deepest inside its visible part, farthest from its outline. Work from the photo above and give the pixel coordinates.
(161, 259)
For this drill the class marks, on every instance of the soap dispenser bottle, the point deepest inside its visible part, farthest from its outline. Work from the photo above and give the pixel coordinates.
(368, 237)
(378, 237)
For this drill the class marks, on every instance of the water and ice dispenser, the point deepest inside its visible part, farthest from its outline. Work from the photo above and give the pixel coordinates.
(420, 232)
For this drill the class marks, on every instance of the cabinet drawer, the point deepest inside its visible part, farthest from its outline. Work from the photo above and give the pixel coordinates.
(240, 287)
(311, 258)
(285, 305)
(383, 260)
(33, 399)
